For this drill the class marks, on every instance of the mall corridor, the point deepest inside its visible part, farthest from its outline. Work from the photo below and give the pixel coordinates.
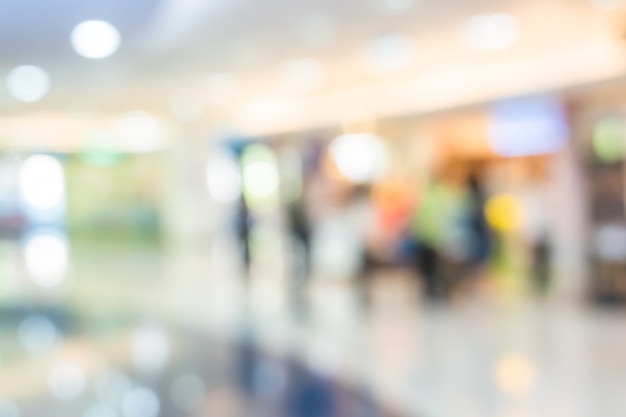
(355, 208)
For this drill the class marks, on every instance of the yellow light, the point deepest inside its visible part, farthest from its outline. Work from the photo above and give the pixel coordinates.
(515, 375)
(504, 212)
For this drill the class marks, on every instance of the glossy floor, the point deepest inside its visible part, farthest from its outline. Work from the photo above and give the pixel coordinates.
(131, 330)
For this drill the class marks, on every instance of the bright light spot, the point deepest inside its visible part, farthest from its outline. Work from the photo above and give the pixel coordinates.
(37, 334)
(111, 386)
(8, 409)
(223, 89)
(261, 178)
(611, 243)
(303, 75)
(317, 30)
(360, 158)
(140, 402)
(66, 381)
(187, 105)
(607, 5)
(42, 183)
(187, 391)
(28, 83)
(398, 6)
(531, 126)
(504, 212)
(150, 349)
(391, 52)
(46, 258)
(515, 375)
(609, 139)
(100, 411)
(492, 32)
(95, 39)
(223, 180)
(142, 132)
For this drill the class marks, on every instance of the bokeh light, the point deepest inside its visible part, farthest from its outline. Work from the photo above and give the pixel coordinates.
(261, 179)
(391, 52)
(504, 212)
(260, 174)
(150, 348)
(95, 39)
(609, 139)
(528, 126)
(223, 179)
(360, 158)
(46, 258)
(142, 132)
(497, 31)
(515, 375)
(28, 83)
(37, 334)
(66, 381)
(42, 182)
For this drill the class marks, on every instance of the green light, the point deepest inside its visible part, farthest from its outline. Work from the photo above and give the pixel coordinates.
(609, 142)
(260, 174)
(98, 152)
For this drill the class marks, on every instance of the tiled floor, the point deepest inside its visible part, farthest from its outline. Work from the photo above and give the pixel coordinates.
(478, 356)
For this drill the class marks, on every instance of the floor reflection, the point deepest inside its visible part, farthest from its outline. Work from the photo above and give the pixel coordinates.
(130, 333)
(150, 370)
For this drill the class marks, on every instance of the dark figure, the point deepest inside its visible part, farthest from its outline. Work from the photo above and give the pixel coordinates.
(243, 224)
(301, 231)
(428, 263)
(479, 228)
(541, 265)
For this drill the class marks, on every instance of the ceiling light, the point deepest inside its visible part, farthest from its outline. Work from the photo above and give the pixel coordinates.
(492, 31)
(95, 39)
(28, 83)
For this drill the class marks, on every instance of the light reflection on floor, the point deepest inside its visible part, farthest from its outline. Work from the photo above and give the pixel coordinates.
(493, 356)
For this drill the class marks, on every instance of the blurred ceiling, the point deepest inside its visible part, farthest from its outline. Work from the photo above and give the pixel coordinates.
(169, 44)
